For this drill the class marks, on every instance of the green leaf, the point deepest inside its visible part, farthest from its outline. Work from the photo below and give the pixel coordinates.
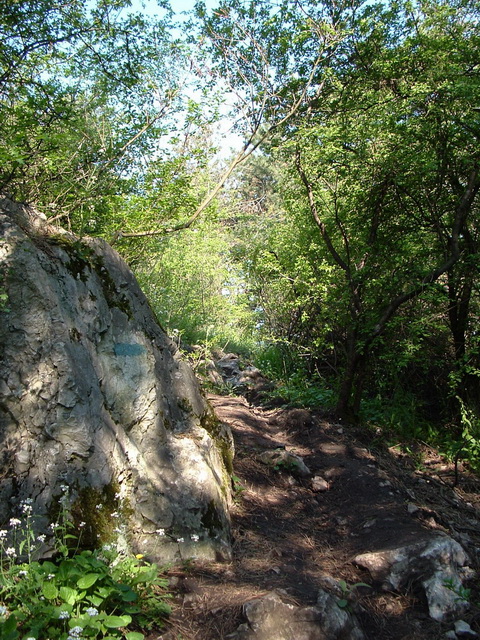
(8, 629)
(105, 592)
(132, 609)
(343, 585)
(361, 584)
(134, 635)
(146, 574)
(127, 594)
(115, 622)
(86, 581)
(49, 590)
(69, 595)
(48, 567)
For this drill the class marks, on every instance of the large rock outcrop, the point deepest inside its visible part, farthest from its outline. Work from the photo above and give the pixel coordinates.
(93, 397)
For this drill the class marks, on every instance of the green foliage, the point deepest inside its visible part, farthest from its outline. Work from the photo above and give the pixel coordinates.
(396, 417)
(300, 390)
(294, 383)
(463, 593)
(469, 446)
(286, 465)
(378, 194)
(347, 593)
(87, 594)
(87, 92)
(277, 361)
(238, 488)
(195, 290)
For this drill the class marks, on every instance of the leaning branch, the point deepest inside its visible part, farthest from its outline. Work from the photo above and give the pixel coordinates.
(314, 211)
(253, 142)
(255, 139)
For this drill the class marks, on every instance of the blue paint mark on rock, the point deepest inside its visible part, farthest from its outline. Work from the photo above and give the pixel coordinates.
(125, 349)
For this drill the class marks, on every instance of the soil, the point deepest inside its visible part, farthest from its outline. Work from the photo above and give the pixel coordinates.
(288, 536)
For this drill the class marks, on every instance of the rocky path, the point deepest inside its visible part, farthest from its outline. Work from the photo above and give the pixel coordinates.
(295, 535)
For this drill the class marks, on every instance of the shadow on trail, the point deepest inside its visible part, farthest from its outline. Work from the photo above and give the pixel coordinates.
(288, 536)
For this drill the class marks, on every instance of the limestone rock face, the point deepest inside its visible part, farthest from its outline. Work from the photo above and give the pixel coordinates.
(438, 564)
(93, 396)
(272, 618)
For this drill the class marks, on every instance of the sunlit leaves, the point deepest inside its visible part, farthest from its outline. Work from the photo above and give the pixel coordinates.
(87, 93)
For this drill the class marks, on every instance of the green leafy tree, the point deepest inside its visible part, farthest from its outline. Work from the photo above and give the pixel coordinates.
(195, 288)
(384, 146)
(390, 168)
(86, 93)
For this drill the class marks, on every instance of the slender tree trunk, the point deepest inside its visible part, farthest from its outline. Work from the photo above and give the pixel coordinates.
(351, 386)
(467, 388)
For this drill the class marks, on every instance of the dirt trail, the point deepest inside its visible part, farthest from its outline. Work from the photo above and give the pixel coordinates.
(289, 537)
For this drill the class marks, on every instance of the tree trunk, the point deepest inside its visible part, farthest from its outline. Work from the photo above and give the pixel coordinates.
(467, 388)
(350, 394)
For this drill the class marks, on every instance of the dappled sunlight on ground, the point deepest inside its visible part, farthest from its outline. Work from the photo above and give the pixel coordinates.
(288, 536)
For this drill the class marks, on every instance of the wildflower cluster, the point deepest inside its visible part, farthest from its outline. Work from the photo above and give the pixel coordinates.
(18, 539)
(87, 594)
(194, 537)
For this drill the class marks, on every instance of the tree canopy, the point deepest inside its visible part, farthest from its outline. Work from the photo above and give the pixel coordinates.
(348, 226)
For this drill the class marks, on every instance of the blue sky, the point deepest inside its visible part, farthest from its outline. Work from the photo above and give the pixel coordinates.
(226, 139)
(151, 6)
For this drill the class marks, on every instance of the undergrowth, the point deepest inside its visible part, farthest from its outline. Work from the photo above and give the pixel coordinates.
(74, 594)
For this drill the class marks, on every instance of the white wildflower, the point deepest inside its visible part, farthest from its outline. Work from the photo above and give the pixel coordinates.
(26, 509)
(76, 631)
(10, 551)
(15, 522)
(64, 488)
(91, 611)
(41, 538)
(194, 537)
(98, 507)
(107, 547)
(115, 514)
(3, 533)
(26, 506)
(81, 525)
(180, 540)
(50, 576)
(23, 573)
(160, 532)
(3, 610)
(63, 615)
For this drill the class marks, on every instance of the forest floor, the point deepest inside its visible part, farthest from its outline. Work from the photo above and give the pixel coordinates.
(287, 536)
